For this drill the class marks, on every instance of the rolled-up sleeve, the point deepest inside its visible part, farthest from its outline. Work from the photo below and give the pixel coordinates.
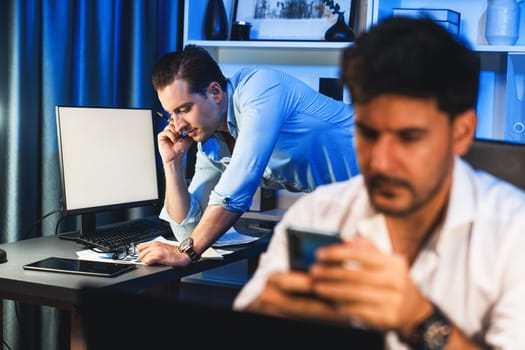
(185, 228)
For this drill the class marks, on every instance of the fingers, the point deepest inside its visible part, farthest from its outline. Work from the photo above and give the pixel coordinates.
(351, 271)
(171, 134)
(181, 136)
(364, 283)
(144, 252)
(291, 282)
(157, 253)
(289, 295)
(357, 252)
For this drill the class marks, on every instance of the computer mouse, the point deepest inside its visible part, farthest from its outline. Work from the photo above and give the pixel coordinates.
(3, 256)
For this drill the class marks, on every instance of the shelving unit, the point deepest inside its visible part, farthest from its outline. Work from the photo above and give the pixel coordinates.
(501, 106)
(308, 60)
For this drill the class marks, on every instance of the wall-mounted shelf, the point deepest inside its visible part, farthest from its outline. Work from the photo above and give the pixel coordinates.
(302, 45)
(499, 49)
(501, 105)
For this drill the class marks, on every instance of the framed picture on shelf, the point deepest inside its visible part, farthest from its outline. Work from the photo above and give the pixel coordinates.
(291, 19)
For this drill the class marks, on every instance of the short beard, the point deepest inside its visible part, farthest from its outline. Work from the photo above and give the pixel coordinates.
(414, 205)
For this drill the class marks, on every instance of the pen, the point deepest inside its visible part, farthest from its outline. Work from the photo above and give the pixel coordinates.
(163, 116)
(259, 228)
(183, 133)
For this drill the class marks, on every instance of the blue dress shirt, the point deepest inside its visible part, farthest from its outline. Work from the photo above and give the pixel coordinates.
(287, 136)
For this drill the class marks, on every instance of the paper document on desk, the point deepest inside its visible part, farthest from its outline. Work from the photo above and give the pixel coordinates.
(89, 254)
(233, 237)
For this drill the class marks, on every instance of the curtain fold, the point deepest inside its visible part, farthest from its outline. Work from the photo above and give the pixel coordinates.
(53, 52)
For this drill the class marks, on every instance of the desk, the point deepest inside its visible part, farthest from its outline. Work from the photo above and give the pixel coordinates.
(273, 215)
(61, 290)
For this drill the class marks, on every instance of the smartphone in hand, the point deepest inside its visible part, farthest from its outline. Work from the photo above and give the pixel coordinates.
(304, 241)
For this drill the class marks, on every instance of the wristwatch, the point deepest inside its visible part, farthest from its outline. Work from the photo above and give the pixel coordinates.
(186, 246)
(432, 333)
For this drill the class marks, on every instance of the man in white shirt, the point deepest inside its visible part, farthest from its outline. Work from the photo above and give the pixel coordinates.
(432, 251)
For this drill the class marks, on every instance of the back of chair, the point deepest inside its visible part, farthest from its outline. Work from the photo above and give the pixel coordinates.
(505, 160)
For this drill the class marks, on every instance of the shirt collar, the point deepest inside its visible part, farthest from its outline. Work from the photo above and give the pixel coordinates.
(232, 123)
(462, 197)
(461, 206)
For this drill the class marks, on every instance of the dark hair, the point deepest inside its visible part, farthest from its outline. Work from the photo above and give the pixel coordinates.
(193, 64)
(412, 57)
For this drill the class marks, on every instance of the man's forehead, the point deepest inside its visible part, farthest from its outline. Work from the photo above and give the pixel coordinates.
(398, 110)
(177, 94)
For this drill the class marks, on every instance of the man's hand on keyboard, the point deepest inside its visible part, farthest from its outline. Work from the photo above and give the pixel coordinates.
(155, 252)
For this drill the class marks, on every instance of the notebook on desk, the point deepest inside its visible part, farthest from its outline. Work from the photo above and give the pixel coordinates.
(119, 320)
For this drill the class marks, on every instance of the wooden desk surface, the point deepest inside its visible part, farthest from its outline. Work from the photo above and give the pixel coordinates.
(61, 289)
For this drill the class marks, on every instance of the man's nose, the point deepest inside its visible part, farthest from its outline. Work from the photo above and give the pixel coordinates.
(178, 122)
(382, 154)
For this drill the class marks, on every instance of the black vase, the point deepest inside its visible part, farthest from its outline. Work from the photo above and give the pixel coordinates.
(215, 25)
(339, 31)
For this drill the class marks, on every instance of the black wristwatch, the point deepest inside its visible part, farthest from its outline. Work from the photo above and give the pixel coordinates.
(432, 333)
(186, 246)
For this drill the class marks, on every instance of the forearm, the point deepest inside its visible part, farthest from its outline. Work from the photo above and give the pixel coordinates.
(177, 197)
(214, 222)
(379, 292)
(458, 340)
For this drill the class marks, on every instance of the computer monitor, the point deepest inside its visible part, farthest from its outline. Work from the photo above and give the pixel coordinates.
(107, 160)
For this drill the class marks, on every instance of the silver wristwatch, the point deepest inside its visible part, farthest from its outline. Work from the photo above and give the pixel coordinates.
(186, 246)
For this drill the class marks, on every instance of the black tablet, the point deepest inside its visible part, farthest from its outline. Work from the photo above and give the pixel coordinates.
(83, 267)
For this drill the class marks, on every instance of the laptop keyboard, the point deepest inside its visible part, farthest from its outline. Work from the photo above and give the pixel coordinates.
(113, 237)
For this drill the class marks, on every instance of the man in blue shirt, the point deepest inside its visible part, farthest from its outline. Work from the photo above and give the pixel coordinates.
(259, 127)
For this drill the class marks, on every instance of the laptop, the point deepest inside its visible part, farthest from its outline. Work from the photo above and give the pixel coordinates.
(115, 319)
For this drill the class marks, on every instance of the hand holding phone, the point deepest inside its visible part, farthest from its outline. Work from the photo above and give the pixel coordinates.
(304, 241)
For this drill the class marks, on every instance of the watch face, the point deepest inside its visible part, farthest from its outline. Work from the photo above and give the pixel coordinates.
(434, 331)
(185, 244)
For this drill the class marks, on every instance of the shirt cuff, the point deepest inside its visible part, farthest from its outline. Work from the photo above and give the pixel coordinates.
(228, 203)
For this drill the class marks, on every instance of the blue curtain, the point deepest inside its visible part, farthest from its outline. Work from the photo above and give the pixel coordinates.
(55, 52)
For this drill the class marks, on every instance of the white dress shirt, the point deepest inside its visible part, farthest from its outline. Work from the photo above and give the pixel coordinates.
(473, 267)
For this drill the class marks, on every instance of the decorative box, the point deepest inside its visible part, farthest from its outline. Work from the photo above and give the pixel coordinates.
(447, 18)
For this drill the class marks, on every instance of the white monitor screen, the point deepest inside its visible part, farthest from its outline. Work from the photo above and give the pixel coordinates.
(107, 157)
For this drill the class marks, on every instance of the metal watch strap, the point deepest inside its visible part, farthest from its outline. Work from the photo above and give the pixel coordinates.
(432, 333)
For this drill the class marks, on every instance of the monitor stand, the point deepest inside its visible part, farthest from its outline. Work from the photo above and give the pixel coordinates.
(87, 226)
(69, 236)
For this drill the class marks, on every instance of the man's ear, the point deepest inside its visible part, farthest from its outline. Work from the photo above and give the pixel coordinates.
(215, 91)
(464, 131)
